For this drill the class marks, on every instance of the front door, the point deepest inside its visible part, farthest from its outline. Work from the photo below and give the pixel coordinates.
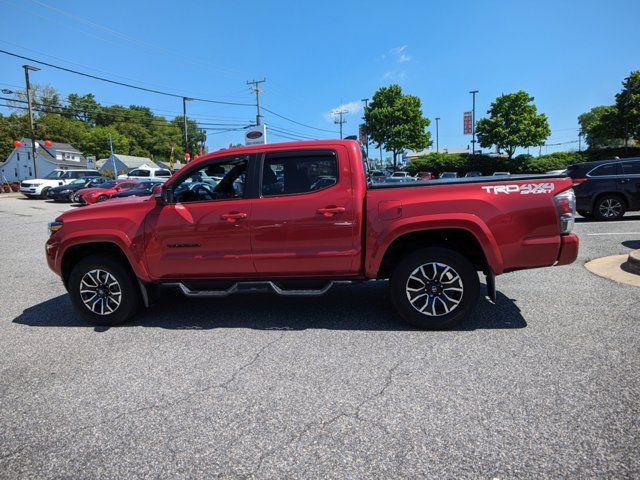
(205, 232)
(303, 223)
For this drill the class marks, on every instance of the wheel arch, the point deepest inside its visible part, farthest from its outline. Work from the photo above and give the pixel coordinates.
(74, 253)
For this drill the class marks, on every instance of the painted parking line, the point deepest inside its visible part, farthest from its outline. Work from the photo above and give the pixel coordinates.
(613, 233)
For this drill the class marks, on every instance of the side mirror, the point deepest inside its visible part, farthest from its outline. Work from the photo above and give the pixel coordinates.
(157, 190)
(165, 197)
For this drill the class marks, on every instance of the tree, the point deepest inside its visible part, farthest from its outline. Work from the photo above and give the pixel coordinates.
(628, 105)
(45, 98)
(83, 108)
(394, 120)
(96, 142)
(599, 127)
(513, 122)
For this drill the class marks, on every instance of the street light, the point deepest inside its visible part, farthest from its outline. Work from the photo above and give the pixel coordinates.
(473, 123)
(27, 69)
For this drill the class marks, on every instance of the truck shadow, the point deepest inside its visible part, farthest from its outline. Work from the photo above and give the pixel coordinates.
(355, 307)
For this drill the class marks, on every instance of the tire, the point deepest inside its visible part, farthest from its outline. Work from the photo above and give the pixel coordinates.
(101, 198)
(71, 195)
(609, 207)
(585, 214)
(43, 193)
(446, 306)
(101, 270)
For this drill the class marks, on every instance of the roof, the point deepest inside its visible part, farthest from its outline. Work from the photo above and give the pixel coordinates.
(129, 160)
(63, 147)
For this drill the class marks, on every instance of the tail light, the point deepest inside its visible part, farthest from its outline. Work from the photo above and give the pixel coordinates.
(566, 207)
(578, 181)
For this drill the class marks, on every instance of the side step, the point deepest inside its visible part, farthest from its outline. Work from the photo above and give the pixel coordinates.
(255, 287)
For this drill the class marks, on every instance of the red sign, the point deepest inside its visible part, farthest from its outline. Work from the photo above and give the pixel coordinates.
(468, 121)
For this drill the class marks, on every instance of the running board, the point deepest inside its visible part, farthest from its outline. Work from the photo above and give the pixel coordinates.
(255, 287)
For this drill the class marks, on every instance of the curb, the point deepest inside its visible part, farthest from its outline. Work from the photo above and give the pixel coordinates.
(615, 267)
(633, 262)
(11, 195)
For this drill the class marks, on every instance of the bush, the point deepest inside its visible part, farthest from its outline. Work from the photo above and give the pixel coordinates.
(15, 187)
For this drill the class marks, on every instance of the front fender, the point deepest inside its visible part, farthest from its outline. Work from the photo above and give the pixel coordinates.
(378, 244)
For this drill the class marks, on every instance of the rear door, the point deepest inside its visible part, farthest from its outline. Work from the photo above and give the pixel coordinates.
(629, 183)
(303, 221)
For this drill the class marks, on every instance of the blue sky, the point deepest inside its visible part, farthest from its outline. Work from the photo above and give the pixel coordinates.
(570, 55)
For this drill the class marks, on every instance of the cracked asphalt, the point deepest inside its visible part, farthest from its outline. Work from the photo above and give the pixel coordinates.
(545, 384)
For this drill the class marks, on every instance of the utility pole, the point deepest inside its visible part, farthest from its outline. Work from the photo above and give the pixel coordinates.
(340, 120)
(580, 141)
(31, 124)
(184, 122)
(256, 89)
(366, 135)
(437, 135)
(473, 123)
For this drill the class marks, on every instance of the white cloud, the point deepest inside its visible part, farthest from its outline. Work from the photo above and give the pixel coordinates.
(404, 58)
(398, 50)
(394, 75)
(351, 108)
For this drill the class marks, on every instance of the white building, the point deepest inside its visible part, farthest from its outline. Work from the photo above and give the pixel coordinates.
(19, 164)
(124, 163)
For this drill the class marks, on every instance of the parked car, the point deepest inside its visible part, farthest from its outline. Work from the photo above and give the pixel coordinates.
(501, 174)
(429, 239)
(473, 174)
(65, 193)
(377, 176)
(423, 176)
(449, 175)
(146, 173)
(38, 187)
(606, 189)
(142, 189)
(87, 196)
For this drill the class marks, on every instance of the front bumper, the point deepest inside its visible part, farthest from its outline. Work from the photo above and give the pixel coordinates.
(569, 245)
(78, 199)
(30, 191)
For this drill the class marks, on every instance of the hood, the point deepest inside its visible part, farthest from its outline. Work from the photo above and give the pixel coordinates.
(115, 207)
(84, 191)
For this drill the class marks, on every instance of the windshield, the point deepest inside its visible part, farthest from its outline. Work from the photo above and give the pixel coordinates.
(107, 185)
(55, 175)
(79, 181)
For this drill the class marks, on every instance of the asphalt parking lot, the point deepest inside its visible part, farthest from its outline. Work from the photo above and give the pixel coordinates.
(543, 384)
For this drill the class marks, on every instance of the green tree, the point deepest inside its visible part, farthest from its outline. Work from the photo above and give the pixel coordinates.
(598, 127)
(82, 107)
(96, 142)
(513, 122)
(395, 121)
(45, 98)
(628, 104)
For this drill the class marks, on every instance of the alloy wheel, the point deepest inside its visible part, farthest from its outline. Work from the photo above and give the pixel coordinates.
(100, 292)
(610, 208)
(434, 289)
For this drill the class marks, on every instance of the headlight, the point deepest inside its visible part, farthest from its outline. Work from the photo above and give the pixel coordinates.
(34, 184)
(54, 227)
(65, 191)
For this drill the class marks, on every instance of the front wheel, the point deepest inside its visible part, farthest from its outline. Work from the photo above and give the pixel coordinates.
(101, 198)
(45, 192)
(103, 290)
(435, 288)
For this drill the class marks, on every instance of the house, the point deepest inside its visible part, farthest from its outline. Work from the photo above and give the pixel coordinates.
(19, 164)
(124, 163)
(176, 165)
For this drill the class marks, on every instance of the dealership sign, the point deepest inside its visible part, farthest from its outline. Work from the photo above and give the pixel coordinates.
(255, 135)
(468, 121)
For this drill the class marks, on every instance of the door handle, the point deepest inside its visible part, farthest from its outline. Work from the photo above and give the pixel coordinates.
(233, 216)
(330, 211)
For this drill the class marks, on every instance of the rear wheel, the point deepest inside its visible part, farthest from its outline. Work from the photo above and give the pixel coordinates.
(434, 288)
(44, 192)
(103, 291)
(609, 207)
(585, 214)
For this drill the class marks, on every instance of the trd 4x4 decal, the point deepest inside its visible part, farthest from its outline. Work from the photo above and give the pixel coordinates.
(525, 189)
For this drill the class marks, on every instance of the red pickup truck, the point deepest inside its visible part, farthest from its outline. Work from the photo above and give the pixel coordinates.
(296, 218)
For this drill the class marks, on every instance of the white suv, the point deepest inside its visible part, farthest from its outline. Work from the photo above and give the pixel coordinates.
(146, 173)
(38, 187)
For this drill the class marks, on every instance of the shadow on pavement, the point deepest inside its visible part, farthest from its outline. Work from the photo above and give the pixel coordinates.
(355, 307)
(626, 218)
(632, 244)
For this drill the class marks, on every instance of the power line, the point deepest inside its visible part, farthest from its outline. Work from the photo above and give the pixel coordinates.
(294, 121)
(115, 82)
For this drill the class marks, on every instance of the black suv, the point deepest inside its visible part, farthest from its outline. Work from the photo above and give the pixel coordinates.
(606, 189)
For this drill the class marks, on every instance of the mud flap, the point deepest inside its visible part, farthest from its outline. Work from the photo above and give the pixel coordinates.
(491, 285)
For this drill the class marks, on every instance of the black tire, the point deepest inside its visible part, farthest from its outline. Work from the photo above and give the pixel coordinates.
(129, 292)
(70, 197)
(43, 193)
(609, 207)
(438, 317)
(585, 214)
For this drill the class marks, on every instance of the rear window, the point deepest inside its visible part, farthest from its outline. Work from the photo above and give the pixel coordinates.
(605, 170)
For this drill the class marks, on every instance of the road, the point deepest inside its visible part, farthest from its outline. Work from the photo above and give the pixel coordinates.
(543, 384)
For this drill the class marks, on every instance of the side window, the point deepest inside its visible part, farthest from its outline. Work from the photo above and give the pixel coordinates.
(134, 173)
(81, 174)
(286, 175)
(142, 173)
(163, 173)
(604, 170)
(221, 180)
(631, 168)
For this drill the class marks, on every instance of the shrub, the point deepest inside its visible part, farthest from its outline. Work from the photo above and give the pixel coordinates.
(15, 187)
